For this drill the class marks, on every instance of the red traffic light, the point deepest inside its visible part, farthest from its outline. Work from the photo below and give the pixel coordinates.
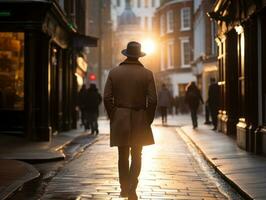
(92, 77)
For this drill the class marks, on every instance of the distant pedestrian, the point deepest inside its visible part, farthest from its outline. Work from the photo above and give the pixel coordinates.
(81, 105)
(213, 101)
(164, 102)
(193, 99)
(93, 100)
(130, 100)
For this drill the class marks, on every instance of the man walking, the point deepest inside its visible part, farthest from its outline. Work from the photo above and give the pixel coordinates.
(214, 101)
(94, 99)
(130, 100)
(164, 102)
(82, 103)
(193, 99)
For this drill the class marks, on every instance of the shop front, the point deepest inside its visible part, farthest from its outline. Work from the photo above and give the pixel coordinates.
(38, 84)
(241, 62)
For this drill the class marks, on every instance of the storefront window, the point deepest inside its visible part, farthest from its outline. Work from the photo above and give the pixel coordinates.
(11, 70)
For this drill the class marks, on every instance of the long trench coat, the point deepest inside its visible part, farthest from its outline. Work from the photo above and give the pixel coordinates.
(130, 100)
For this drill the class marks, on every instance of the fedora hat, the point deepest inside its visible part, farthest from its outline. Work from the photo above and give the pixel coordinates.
(133, 50)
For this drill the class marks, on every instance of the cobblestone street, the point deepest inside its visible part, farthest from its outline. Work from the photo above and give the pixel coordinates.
(169, 171)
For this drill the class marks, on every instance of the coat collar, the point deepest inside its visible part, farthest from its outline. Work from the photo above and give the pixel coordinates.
(131, 62)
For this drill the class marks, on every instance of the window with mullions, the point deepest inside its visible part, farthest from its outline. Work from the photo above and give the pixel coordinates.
(170, 53)
(153, 3)
(139, 3)
(12, 71)
(185, 53)
(162, 24)
(118, 3)
(185, 19)
(162, 58)
(170, 21)
(146, 3)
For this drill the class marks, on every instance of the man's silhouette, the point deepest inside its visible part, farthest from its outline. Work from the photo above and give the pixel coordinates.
(130, 100)
(214, 101)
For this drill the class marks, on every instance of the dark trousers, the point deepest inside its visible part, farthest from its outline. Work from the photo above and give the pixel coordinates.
(194, 117)
(164, 113)
(214, 113)
(82, 111)
(207, 114)
(93, 122)
(128, 176)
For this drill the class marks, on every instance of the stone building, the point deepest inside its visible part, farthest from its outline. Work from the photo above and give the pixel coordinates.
(38, 75)
(175, 32)
(242, 45)
(204, 64)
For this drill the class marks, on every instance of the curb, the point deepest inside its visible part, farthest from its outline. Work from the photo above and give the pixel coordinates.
(31, 174)
(232, 183)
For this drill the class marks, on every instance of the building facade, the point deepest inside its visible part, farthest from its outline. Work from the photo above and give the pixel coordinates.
(175, 33)
(144, 9)
(128, 29)
(205, 49)
(242, 60)
(133, 21)
(99, 24)
(38, 77)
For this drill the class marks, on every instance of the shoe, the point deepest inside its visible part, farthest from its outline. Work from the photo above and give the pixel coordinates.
(214, 128)
(124, 193)
(97, 132)
(132, 196)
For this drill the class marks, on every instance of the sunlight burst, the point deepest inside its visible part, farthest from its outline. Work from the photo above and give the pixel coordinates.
(148, 46)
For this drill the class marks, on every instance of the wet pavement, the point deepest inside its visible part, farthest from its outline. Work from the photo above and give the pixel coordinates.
(169, 171)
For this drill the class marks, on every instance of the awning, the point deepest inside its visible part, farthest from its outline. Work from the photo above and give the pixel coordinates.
(79, 41)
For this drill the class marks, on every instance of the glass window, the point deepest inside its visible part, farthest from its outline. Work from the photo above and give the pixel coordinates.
(213, 36)
(162, 24)
(146, 23)
(185, 19)
(170, 54)
(153, 3)
(185, 50)
(162, 58)
(139, 3)
(146, 4)
(118, 3)
(170, 21)
(12, 70)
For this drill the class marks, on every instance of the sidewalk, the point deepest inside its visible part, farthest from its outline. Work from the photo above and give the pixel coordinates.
(16, 151)
(245, 172)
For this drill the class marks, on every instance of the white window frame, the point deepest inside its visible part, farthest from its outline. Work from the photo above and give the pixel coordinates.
(162, 58)
(182, 41)
(182, 19)
(170, 21)
(162, 24)
(170, 54)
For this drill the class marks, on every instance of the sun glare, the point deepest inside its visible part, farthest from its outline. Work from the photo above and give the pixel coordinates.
(148, 46)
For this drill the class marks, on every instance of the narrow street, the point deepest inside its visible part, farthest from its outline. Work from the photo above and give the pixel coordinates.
(169, 171)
